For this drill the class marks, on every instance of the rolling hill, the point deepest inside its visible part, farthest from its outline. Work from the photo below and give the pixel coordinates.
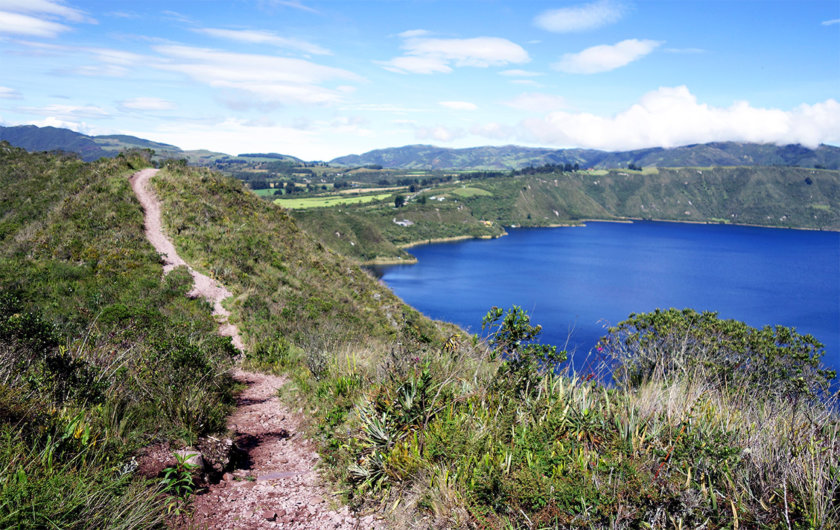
(517, 157)
(33, 138)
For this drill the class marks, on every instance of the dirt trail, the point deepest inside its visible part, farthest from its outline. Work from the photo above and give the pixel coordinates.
(276, 485)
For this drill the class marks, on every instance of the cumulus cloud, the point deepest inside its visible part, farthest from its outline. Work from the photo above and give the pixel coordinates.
(605, 57)
(264, 37)
(424, 55)
(580, 17)
(537, 102)
(458, 105)
(672, 116)
(271, 79)
(9, 93)
(146, 104)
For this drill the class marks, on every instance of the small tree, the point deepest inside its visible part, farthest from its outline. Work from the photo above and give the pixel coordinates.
(399, 201)
(514, 339)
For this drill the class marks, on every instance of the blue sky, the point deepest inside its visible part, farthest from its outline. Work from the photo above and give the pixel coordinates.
(323, 78)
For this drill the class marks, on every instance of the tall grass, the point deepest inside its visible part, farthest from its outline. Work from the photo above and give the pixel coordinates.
(99, 354)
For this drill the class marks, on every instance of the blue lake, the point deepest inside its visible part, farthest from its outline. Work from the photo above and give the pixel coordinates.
(576, 280)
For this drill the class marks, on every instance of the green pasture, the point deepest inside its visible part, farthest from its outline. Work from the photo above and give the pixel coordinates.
(471, 192)
(327, 201)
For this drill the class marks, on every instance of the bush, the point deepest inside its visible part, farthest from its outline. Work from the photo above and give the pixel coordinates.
(673, 343)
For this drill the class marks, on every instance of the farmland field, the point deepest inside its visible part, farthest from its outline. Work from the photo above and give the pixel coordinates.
(332, 200)
(471, 192)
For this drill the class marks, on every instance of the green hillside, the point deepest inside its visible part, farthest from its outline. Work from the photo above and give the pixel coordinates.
(766, 196)
(517, 157)
(98, 355)
(709, 423)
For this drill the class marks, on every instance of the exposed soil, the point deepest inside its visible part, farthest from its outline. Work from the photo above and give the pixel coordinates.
(274, 484)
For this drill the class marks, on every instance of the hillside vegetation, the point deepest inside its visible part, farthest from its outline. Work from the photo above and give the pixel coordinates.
(99, 356)
(709, 423)
(518, 157)
(481, 207)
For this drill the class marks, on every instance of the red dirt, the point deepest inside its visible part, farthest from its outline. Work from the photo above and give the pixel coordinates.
(275, 485)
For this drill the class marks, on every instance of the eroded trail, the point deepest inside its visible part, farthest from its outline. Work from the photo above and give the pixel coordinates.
(275, 486)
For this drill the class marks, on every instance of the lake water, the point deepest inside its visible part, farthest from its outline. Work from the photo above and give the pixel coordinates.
(576, 280)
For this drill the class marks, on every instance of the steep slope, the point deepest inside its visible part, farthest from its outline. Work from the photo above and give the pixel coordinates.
(287, 286)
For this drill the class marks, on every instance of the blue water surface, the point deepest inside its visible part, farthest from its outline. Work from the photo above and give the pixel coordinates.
(576, 280)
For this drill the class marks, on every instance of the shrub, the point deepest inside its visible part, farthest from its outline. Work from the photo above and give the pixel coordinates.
(673, 343)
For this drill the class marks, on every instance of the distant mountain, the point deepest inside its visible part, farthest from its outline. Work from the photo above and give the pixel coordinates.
(516, 157)
(33, 138)
(274, 157)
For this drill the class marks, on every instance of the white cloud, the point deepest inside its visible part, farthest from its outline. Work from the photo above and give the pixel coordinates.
(9, 93)
(520, 73)
(38, 18)
(432, 55)
(413, 33)
(17, 24)
(146, 104)
(496, 131)
(269, 78)
(537, 102)
(80, 127)
(672, 116)
(294, 4)
(417, 65)
(45, 7)
(580, 17)
(264, 37)
(68, 112)
(831, 22)
(458, 105)
(605, 57)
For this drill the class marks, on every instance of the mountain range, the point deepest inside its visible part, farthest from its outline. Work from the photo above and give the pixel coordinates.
(33, 138)
(516, 157)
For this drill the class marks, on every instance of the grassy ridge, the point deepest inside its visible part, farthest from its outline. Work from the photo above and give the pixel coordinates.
(772, 196)
(98, 355)
(287, 286)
